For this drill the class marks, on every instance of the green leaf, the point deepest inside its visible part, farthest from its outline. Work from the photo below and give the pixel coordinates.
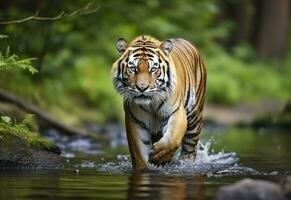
(6, 119)
(8, 61)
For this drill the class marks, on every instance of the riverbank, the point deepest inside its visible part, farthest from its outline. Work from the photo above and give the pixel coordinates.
(21, 148)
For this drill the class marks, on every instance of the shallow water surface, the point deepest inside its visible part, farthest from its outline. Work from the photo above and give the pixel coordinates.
(223, 158)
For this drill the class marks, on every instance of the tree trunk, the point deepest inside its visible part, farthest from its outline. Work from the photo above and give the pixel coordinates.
(241, 14)
(273, 33)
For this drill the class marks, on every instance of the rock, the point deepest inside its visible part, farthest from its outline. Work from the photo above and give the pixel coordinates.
(286, 186)
(27, 150)
(248, 189)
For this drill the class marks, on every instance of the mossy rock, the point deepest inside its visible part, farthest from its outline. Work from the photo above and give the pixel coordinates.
(20, 148)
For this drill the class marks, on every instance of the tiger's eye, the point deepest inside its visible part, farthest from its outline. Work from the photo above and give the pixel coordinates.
(154, 69)
(133, 69)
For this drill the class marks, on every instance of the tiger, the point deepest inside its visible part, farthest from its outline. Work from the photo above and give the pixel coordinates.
(162, 84)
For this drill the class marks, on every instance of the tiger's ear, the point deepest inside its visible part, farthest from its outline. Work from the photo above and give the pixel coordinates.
(121, 45)
(166, 46)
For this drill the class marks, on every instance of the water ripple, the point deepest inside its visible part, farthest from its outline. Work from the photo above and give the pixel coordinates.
(207, 163)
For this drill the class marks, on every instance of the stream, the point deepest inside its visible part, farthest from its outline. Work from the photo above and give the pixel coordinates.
(102, 170)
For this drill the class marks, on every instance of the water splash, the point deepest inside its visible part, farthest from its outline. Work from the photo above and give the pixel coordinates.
(207, 163)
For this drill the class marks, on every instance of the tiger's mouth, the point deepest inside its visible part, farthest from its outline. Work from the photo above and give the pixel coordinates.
(142, 96)
(142, 99)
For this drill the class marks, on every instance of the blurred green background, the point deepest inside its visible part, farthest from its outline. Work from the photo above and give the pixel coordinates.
(246, 49)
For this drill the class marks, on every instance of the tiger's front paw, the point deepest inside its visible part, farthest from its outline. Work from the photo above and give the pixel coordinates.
(161, 154)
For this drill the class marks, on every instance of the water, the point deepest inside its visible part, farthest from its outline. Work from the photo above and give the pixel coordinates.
(93, 172)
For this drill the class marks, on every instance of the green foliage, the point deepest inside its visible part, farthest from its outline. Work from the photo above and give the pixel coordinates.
(9, 129)
(8, 61)
(74, 55)
(19, 128)
(238, 77)
(93, 80)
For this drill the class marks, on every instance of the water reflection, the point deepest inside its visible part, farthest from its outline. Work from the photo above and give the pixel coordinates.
(154, 186)
(29, 184)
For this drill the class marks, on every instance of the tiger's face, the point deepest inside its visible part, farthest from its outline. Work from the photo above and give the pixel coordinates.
(141, 74)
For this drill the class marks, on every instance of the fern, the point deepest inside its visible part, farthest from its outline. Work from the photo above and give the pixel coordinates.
(9, 61)
(7, 124)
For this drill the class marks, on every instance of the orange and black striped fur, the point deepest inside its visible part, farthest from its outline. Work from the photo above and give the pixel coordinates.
(163, 88)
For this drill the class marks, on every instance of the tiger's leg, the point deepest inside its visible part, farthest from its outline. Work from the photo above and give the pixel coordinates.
(138, 142)
(164, 150)
(191, 137)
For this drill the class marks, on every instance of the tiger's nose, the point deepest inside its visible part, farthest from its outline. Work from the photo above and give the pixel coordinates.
(142, 87)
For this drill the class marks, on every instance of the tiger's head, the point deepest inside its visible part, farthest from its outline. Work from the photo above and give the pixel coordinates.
(142, 73)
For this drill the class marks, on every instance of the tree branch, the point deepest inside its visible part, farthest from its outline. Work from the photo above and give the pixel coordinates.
(86, 10)
(42, 115)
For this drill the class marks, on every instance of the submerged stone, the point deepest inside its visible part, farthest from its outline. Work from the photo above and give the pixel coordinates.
(248, 189)
(26, 150)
